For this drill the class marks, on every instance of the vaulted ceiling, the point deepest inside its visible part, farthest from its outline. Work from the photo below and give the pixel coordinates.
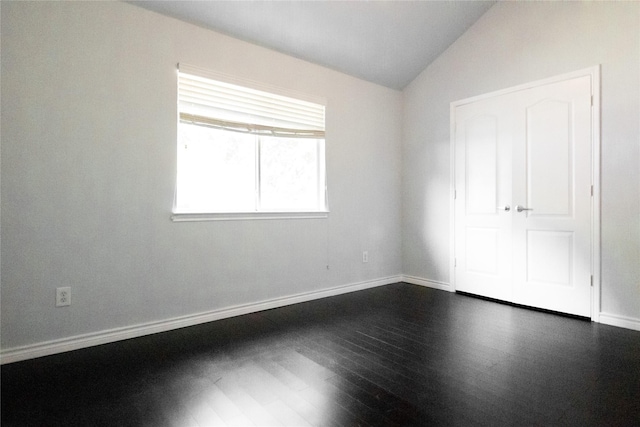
(384, 42)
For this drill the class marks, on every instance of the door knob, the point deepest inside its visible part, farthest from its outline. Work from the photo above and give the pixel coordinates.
(520, 208)
(506, 208)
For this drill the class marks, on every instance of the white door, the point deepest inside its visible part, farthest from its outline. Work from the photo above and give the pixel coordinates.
(523, 205)
(483, 234)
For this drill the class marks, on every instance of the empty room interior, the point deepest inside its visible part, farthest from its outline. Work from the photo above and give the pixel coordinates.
(438, 225)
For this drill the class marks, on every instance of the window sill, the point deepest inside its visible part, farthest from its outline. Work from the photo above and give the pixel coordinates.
(245, 216)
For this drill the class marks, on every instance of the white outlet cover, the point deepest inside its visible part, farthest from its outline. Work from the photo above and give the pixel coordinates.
(63, 296)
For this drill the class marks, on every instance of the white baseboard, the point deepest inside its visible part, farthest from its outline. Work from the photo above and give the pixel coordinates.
(620, 321)
(428, 283)
(88, 340)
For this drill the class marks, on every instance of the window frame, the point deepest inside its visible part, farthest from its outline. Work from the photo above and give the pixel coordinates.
(188, 215)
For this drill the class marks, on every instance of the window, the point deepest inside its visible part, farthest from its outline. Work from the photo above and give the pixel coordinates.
(242, 150)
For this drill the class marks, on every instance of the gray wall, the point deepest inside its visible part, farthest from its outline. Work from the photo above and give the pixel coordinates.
(512, 44)
(88, 163)
(88, 170)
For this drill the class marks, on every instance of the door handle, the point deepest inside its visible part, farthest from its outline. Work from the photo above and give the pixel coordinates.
(520, 208)
(506, 208)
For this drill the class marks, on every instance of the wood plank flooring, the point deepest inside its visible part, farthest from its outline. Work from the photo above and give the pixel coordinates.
(398, 355)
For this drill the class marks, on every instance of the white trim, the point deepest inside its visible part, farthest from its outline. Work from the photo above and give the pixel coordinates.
(413, 280)
(595, 199)
(620, 321)
(88, 340)
(594, 73)
(452, 198)
(244, 216)
(590, 71)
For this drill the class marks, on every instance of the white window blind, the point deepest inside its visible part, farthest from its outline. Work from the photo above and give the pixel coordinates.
(208, 102)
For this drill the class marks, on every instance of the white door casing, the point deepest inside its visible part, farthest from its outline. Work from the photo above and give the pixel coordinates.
(537, 147)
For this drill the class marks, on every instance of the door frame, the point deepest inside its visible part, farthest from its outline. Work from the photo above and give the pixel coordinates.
(594, 73)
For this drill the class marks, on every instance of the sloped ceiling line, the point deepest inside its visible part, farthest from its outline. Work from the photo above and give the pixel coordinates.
(384, 42)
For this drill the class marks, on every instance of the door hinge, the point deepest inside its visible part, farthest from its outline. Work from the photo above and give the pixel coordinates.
(455, 194)
(455, 262)
(592, 280)
(592, 100)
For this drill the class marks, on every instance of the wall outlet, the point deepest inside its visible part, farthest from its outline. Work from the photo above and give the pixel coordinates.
(365, 256)
(63, 296)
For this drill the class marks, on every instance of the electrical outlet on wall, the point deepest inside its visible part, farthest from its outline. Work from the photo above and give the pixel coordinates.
(365, 256)
(63, 296)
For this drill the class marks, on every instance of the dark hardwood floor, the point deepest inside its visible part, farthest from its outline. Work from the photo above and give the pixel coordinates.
(395, 355)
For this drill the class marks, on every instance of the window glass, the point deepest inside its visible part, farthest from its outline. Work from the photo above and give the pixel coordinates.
(289, 171)
(216, 170)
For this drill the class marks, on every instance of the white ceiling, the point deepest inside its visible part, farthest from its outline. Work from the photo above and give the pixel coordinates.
(384, 42)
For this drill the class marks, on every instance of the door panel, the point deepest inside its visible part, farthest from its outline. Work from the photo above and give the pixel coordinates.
(482, 255)
(549, 258)
(550, 158)
(481, 144)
